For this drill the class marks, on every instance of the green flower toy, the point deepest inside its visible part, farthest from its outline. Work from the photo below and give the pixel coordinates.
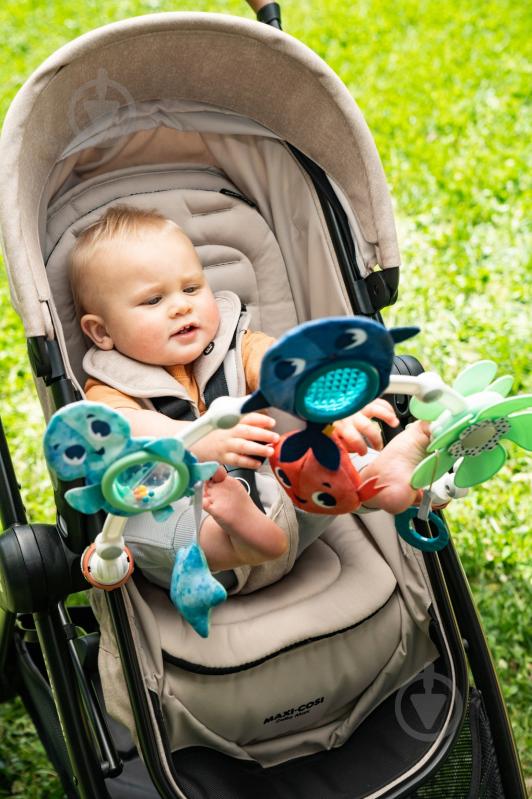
(469, 419)
(469, 437)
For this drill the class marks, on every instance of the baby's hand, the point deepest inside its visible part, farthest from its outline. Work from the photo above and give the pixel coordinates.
(358, 431)
(242, 445)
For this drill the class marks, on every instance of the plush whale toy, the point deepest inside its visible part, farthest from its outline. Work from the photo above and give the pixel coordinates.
(327, 369)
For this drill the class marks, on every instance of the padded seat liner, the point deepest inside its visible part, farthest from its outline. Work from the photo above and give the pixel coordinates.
(296, 655)
(234, 244)
(289, 670)
(337, 583)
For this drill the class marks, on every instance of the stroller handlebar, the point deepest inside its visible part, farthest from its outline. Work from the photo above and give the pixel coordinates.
(256, 5)
(267, 11)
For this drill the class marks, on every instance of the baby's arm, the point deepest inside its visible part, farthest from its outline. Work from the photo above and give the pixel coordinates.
(239, 446)
(146, 423)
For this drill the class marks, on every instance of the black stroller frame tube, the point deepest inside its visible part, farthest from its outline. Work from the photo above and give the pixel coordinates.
(461, 680)
(12, 512)
(366, 295)
(484, 674)
(87, 771)
(88, 776)
(111, 763)
(137, 696)
(12, 509)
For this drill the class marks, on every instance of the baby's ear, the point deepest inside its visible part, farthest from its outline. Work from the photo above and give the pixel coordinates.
(93, 326)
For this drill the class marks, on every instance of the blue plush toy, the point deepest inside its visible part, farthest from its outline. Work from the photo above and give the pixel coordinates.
(327, 369)
(123, 475)
(126, 476)
(320, 372)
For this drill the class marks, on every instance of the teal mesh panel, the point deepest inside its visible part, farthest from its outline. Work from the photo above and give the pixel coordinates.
(335, 391)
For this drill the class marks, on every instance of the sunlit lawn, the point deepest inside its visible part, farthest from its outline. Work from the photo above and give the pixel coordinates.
(444, 90)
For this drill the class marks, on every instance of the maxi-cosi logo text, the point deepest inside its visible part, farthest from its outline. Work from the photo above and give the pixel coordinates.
(294, 712)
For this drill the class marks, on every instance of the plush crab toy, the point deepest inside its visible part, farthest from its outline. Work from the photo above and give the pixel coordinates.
(317, 473)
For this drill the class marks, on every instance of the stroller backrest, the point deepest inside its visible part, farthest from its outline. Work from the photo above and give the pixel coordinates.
(244, 201)
(80, 114)
(234, 243)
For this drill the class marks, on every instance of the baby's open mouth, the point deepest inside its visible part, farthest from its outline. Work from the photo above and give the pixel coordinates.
(184, 330)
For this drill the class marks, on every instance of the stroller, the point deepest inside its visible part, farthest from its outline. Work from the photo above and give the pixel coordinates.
(364, 672)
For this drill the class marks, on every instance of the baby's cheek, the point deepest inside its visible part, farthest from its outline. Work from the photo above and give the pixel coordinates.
(146, 342)
(211, 315)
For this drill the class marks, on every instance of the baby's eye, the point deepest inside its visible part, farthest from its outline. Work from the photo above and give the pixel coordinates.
(153, 300)
(191, 289)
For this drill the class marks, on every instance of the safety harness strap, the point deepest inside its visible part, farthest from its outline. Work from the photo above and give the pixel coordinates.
(181, 409)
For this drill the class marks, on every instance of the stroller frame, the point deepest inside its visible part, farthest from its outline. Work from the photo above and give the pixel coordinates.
(39, 568)
(74, 697)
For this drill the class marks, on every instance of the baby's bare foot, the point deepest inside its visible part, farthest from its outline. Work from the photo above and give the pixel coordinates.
(254, 536)
(394, 467)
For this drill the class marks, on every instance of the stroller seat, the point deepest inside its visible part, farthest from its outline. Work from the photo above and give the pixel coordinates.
(289, 670)
(341, 620)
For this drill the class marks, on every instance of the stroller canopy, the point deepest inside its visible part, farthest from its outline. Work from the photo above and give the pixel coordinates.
(247, 77)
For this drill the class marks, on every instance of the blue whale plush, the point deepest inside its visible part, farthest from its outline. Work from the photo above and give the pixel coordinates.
(327, 369)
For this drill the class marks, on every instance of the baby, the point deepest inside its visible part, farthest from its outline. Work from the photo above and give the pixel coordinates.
(141, 294)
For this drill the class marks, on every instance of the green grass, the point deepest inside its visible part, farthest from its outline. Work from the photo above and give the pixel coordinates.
(444, 90)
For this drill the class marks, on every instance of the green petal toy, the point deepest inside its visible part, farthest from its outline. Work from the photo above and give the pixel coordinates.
(470, 437)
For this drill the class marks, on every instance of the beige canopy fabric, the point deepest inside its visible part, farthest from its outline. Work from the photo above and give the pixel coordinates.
(245, 67)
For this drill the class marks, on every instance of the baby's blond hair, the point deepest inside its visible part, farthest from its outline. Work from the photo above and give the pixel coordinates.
(118, 222)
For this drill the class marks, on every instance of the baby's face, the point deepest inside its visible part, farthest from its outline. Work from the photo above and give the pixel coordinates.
(153, 299)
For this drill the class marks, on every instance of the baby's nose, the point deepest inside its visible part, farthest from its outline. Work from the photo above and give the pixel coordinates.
(180, 305)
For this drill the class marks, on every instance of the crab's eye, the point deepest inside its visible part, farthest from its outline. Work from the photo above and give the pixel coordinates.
(100, 429)
(289, 367)
(323, 499)
(75, 454)
(350, 338)
(282, 477)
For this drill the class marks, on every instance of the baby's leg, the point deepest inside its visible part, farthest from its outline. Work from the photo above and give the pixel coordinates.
(237, 532)
(394, 467)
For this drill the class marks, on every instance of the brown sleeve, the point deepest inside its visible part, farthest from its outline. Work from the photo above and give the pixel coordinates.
(254, 346)
(100, 392)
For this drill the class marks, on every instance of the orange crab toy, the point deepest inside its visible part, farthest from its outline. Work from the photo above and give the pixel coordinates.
(315, 469)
